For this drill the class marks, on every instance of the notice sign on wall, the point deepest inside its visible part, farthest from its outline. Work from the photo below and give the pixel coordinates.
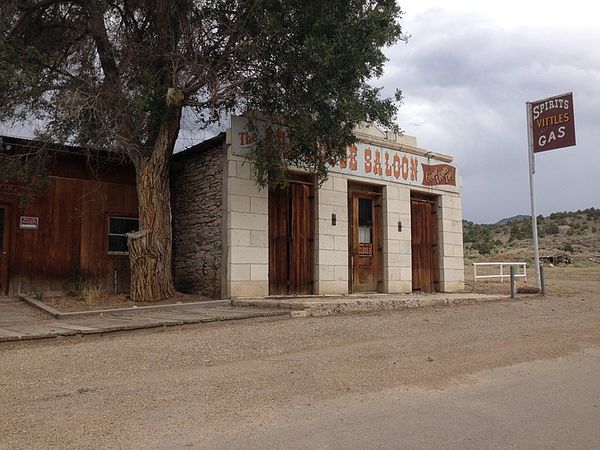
(29, 223)
(552, 123)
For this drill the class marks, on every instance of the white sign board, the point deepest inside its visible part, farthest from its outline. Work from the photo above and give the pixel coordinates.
(29, 223)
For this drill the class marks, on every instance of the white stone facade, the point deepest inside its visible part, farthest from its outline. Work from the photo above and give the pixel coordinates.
(246, 221)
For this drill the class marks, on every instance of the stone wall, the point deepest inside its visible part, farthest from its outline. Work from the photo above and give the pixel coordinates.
(197, 202)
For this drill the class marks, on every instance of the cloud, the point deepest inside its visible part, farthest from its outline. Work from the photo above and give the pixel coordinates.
(466, 79)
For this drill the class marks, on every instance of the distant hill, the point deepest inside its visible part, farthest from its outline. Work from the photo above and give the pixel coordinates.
(513, 219)
(574, 232)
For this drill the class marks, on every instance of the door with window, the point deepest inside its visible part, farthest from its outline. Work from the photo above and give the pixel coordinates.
(291, 239)
(4, 248)
(365, 241)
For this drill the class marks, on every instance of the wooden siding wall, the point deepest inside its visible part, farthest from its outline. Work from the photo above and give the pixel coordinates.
(73, 225)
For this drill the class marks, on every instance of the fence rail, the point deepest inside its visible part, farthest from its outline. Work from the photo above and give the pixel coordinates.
(502, 274)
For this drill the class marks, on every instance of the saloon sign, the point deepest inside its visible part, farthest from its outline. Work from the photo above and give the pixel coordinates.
(370, 161)
(552, 123)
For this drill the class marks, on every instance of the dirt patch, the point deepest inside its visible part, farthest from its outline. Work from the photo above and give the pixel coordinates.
(561, 281)
(72, 303)
(137, 390)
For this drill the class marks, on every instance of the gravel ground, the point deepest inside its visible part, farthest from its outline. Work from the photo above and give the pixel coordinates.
(136, 390)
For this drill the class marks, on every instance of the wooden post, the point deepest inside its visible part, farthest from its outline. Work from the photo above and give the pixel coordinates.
(513, 283)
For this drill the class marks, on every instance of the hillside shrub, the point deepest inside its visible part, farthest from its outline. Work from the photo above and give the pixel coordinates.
(552, 228)
(568, 247)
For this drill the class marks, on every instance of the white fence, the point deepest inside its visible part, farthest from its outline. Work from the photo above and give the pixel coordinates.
(521, 271)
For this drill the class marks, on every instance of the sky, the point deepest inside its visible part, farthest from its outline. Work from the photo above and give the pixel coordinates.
(467, 72)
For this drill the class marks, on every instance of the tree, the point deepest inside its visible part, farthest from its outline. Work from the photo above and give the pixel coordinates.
(552, 228)
(119, 74)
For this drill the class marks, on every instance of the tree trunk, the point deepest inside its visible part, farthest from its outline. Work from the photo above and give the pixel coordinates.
(150, 249)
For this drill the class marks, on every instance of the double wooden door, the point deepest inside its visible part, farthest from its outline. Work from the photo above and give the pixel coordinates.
(365, 241)
(4, 248)
(291, 239)
(424, 244)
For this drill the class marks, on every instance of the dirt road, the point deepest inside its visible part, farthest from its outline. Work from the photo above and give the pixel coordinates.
(185, 388)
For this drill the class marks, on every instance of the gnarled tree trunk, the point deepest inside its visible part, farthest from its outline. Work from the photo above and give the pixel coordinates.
(150, 249)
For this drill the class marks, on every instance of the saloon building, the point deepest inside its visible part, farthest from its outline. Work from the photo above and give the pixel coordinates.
(388, 219)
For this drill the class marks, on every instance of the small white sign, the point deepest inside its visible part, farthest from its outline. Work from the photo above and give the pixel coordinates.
(29, 223)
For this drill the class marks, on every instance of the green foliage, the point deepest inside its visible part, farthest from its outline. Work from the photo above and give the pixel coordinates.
(484, 248)
(568, 247)
(517, 234)
(325, 54)
(520, 230)
(27, 172)
(99, 72)
(552, 228)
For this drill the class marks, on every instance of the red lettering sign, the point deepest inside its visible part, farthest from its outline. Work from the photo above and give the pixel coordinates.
(434, 175)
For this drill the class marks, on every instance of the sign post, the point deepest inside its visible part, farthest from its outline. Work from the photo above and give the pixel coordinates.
(550, 125)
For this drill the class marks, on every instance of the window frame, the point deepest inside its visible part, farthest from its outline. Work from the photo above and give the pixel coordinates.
(109, 234)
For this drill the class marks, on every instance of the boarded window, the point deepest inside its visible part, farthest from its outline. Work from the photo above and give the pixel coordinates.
(118, 227)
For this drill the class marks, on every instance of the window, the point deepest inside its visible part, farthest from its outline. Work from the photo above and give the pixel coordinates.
(118, 227)
(365, 220)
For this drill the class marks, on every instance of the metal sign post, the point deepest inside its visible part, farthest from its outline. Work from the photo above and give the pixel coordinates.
(536, 249)
(550, 125)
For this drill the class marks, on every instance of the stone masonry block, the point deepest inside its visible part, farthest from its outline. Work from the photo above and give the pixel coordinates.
(341, 273)
(325, 273)
(453, 226)
(340, 242)
(249, 288)
(239, 238)
(258, 238)
(325, 242)
(239, 272)
(449, 262)
(452, 238)
(244, 170)
(259, 272)
(249, 255)
(231, 168)
(247, 221)
(340, 184)
(333, 257)
(238, 203)
(332, 287)
(334, 198)
(259, 205)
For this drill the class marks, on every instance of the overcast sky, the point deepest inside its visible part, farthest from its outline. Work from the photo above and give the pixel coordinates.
(466, 73)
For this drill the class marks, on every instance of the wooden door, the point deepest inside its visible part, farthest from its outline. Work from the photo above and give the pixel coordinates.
(365, 242)
(424, 244)
(290, 240)
(300, 239)
(278, 242)
(4, 248)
